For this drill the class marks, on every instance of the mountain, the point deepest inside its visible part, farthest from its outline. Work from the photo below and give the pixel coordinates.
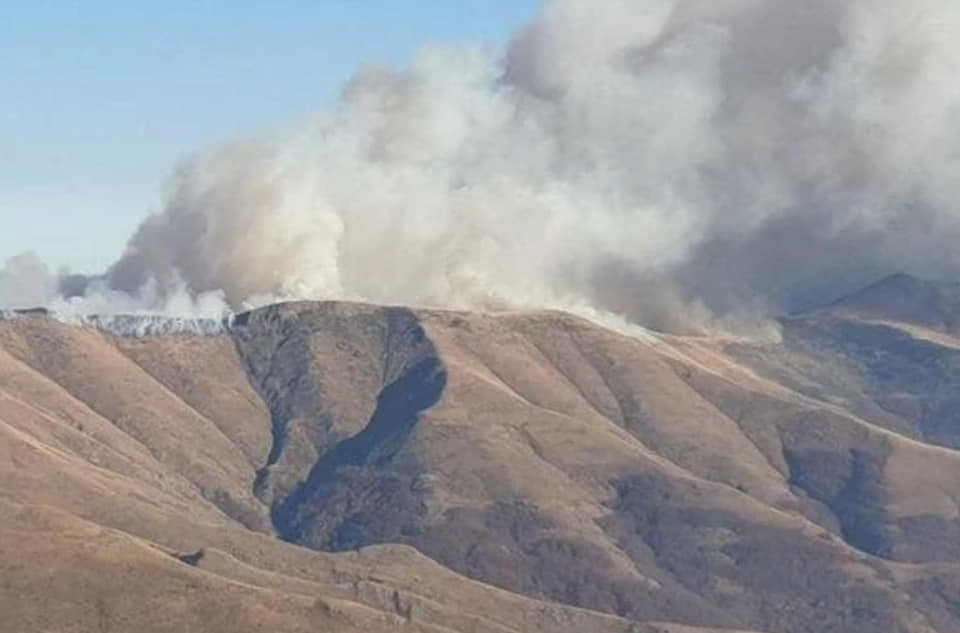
(905, 299)
(348, 467)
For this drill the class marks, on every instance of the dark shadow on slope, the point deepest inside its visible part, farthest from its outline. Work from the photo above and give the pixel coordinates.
(918, 381)
(850, 485)
(330, 502)
(838, 473)
(245, 328)
(280, 416)
(304, 392)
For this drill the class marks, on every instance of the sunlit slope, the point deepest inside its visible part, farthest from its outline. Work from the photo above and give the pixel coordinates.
(700, 481)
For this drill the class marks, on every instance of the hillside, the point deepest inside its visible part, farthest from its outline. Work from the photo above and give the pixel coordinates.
(351, 467)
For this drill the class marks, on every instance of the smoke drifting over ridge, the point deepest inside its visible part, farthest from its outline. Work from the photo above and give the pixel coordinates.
(684, 163)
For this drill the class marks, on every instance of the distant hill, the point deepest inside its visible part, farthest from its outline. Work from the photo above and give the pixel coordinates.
(906, 299)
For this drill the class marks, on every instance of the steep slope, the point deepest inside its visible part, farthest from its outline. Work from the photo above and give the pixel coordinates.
(889, 353)
(121, 523)
(563, 461)
(699, 481)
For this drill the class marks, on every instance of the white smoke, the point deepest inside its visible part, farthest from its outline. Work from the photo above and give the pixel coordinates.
(684, 163)
(26, 282)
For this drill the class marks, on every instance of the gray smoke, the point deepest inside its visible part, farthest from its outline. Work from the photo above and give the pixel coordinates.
(687, 164)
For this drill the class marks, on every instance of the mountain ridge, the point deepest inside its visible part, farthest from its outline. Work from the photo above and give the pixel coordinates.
(656, 481)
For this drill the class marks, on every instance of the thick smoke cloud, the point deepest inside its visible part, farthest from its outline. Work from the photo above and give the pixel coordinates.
(688, 164)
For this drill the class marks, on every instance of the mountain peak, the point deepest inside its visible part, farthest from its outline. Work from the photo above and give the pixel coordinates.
(904, 298)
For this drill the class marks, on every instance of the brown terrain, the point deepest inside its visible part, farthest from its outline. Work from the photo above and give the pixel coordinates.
(345, 467)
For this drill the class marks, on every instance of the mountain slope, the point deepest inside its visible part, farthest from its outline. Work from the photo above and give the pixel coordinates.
(699, 481)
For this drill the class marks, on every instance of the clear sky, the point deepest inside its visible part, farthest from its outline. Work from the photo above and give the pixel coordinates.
(99, 98)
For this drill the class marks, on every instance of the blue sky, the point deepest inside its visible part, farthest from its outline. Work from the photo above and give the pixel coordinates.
(99, 98)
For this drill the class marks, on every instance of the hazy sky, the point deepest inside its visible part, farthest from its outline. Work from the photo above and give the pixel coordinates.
(99, 98)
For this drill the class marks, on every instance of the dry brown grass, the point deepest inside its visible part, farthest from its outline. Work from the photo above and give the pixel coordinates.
(579, 470)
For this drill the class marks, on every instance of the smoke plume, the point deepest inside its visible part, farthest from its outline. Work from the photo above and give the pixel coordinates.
(687, 164)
